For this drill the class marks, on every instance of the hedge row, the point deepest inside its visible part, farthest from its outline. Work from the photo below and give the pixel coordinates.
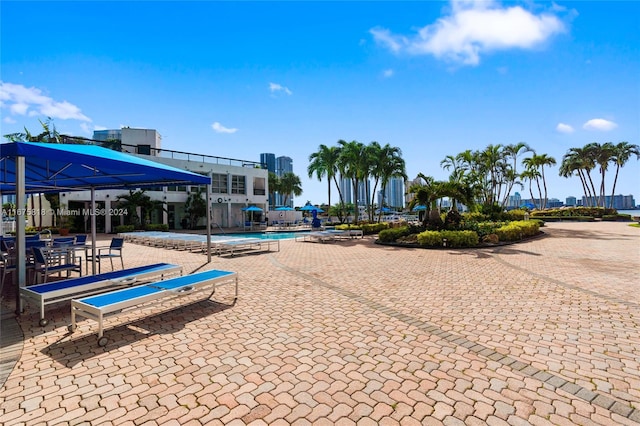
(367, 228)
(518, 230)
(448, 239)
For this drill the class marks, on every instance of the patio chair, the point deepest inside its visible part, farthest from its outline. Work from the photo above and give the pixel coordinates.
(49, 262)
(113, 251)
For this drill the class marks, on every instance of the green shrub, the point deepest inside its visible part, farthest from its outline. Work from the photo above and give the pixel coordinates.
(483, 228)
(367, 228)
(474, 217)
(597, 212)
(517, 214)
(393, 234)
(453, 238)
(517, 230)
(617, 217)
(124, 228)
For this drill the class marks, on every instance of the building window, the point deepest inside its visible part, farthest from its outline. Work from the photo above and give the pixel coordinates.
(259, 186)
(219, 184)
(238, 184)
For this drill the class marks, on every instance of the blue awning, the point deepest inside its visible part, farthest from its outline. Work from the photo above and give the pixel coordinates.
(53, 167)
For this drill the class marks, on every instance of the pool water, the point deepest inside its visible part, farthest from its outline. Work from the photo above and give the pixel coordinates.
(267, 235)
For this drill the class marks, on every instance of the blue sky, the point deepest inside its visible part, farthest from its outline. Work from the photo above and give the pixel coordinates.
(235, 79)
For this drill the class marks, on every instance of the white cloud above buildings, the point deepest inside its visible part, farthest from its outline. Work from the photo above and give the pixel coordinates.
(564, 128)
(30, 101)
(599, 124)
(474, 28)
(387, 73)
(276, 88)
(219, 128)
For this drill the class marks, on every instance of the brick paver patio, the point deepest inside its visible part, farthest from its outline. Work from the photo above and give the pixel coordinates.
(544, 332)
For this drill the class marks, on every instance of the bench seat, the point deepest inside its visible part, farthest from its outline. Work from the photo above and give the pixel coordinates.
(98, 307)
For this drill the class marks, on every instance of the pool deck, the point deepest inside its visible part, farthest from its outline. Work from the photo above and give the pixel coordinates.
(544, 332)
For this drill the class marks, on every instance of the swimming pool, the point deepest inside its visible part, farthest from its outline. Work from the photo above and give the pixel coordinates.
(266, 235)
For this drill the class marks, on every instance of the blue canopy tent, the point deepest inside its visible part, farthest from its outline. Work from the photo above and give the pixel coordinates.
(32, 167)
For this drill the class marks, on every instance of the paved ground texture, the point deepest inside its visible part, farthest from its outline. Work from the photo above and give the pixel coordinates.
(544, 332)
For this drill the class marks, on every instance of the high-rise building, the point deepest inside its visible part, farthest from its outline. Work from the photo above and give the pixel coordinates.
(394, 193)
(283, 165)
(268, 160)
(345, 189)
(571, 201)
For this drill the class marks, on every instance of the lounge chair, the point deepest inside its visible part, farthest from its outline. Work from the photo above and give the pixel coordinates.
(59, 291)
(112, 303)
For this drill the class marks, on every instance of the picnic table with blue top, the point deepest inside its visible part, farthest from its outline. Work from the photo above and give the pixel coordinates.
(98, 307)
(63, 290)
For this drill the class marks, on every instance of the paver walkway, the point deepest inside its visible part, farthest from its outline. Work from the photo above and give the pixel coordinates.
(545, 332)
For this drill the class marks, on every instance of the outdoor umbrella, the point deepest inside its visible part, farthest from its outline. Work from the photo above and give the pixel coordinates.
(252, 210)
(310, 208)
(419, 208)
(284, 209)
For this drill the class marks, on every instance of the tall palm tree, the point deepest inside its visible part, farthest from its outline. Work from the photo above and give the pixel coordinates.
(353, 164)
(389, 165)
(274, 186)
(571, 163)
(290, 184)
(601, 154)
(538, 161)
(622, 153)
(512, 152)
(324, 162)
(531, 174)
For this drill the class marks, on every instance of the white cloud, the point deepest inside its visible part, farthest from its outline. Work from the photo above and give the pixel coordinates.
(564, 128)
(474, 28)
(387, 73)
(276, 88)
(599, 124)
(30, 101)
(9, 120)
(87, 129)
(219, 128)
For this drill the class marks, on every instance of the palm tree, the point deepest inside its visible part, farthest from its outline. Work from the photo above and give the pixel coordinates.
(353, 164)
(601, 155)
(389, 164)
(290, 184)
(427, 193)
(574, 162)
(530, 174)
(513, 151)
(538, 161)
(195, 207)
(621, 154)
(138, 206)
(324, 162)
(274, 186)
(49, 134)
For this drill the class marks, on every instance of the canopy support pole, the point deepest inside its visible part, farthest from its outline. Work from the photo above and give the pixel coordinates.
(93, 230)
(20, 245)
(208, 199)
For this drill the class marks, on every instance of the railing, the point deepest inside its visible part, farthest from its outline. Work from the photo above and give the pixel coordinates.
(165, 153)
(189, 156)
